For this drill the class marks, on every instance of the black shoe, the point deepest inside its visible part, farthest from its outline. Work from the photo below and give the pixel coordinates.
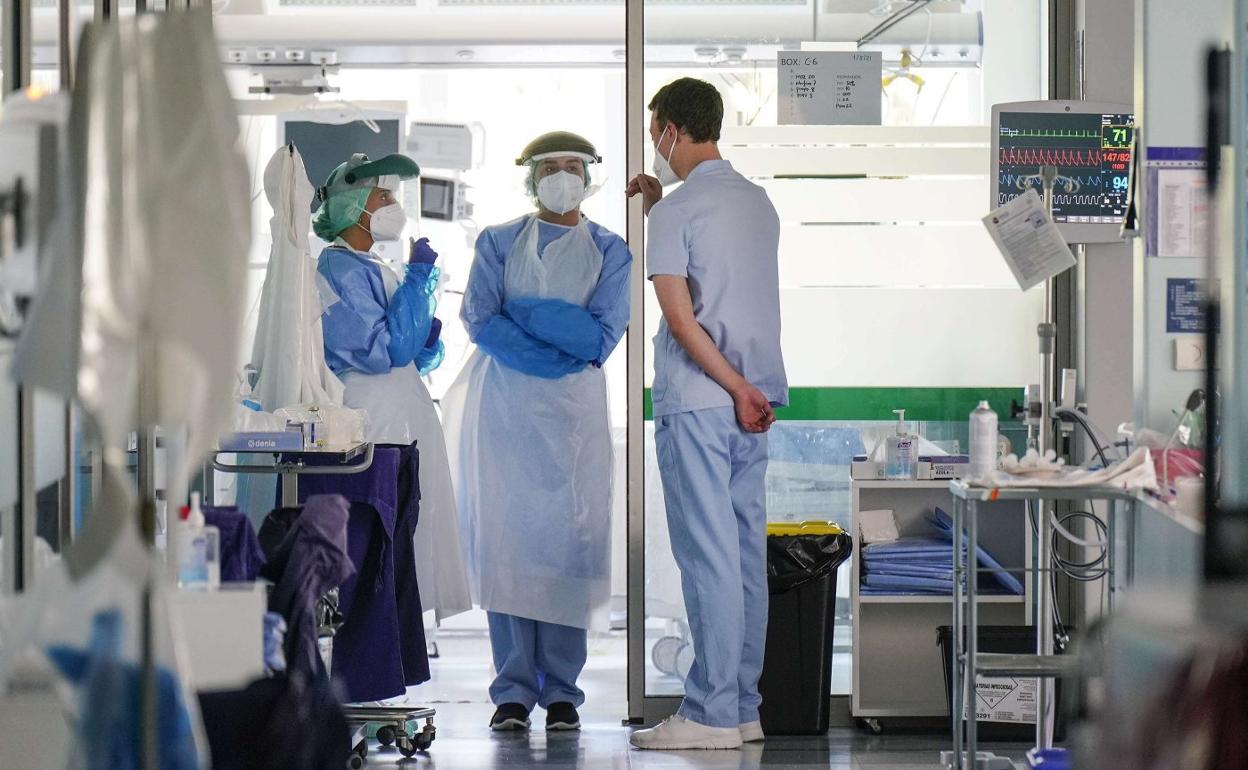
(562, 716)
(510, 716)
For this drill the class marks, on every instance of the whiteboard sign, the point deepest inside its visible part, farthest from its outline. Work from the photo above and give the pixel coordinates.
(830, 88)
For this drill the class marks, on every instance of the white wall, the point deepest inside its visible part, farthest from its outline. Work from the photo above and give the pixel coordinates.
(1175, 35)
(1106, 279)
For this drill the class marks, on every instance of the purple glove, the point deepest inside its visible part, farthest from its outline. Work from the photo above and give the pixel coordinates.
(435, 331)
(422, 253)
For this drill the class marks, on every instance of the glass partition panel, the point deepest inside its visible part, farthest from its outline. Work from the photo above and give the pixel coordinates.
(892, 294)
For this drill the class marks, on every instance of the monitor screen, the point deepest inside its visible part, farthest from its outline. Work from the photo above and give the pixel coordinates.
(437, 198)
(1092, 148)
(325, 145)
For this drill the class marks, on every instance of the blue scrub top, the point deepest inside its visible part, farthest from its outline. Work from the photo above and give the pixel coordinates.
(721, 232)
(609, 304)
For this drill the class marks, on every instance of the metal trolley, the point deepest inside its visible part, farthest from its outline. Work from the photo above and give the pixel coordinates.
(970, 503)
(392, 725)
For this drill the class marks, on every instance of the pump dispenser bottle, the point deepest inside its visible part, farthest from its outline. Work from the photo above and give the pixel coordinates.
(900, 451)
(199, 550)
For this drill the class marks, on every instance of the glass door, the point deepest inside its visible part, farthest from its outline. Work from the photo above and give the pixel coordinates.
(892, 294)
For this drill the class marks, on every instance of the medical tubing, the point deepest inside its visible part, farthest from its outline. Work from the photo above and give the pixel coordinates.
(1079, 418)
(1081, 572)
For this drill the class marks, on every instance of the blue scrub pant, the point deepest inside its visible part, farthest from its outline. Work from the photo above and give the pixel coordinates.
(537, 663)
(714, 487)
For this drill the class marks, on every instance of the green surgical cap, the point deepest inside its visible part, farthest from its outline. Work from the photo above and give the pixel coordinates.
(346, 192)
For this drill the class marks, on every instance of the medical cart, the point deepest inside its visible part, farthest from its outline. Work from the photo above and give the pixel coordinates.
(391, 724)
(970, 504)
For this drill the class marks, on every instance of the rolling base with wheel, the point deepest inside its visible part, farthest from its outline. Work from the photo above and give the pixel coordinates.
(359, 749)
(395, 726)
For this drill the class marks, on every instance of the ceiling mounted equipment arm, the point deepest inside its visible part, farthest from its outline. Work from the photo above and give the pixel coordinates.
(894, 20)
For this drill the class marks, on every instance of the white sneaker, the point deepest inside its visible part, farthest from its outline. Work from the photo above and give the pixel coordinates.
(752, 732)
(676, 732)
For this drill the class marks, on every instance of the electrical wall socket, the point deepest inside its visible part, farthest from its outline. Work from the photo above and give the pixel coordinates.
(266, 55)
(1189, 354)
(236, 55)
(297, 55)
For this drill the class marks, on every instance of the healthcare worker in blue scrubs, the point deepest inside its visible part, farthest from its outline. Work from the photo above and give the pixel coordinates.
(381, 336)
(527, 426)
(718, 374)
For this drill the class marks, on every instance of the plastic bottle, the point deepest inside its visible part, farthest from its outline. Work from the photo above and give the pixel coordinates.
(314, 430)
(199, 550)
(899, 451)
(983, 441)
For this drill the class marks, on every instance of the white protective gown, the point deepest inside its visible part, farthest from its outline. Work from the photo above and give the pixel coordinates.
(289, 347)
(401, 411)
(533, 459)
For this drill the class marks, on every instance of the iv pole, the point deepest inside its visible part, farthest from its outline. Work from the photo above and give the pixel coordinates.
(1046, 333)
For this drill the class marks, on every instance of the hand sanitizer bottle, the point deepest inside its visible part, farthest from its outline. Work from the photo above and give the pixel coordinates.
(199, 550)
(899, 451)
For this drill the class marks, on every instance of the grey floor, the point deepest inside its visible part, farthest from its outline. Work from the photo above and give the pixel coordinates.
(458, 692)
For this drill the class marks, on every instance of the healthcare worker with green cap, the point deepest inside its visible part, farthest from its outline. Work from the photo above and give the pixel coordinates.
(381, 336)
(527, 423)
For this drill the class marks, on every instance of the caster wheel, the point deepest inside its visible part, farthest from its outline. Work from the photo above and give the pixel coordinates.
(423, 742)
(665, 652)
(356, 762)
(407, 747)
(874, 726)
(386, 735)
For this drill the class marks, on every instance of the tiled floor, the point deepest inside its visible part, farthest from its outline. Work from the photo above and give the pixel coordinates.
(458, 692)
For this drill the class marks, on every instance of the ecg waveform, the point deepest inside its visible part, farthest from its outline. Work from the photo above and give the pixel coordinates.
(1086, 181)
(1031, 156)
(1050, 133)
(1076, 200)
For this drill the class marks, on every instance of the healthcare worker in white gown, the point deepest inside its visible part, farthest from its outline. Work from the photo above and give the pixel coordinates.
(380, 337)
(527, 428)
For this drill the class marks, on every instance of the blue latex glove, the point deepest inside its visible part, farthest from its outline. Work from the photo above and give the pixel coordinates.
(431, 357)
(566, 326)
(513, 347)
(435, 332)
(108, 726)
(410, 314)
(422, 253)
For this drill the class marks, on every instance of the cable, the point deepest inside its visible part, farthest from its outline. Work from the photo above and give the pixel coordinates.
(1079, 418)
(1081, 572)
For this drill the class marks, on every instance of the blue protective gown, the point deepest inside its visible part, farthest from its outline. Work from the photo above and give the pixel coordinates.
(527, 419)
(367, 330)
(378, 340)
(484, 297)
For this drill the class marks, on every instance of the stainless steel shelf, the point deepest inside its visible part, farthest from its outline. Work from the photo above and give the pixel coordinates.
(1053, 666)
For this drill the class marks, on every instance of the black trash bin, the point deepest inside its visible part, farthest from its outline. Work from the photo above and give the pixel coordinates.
(802, 560)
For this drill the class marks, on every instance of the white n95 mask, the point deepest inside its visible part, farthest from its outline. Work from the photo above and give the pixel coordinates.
(387, 223)
(663, 166)
(561, 192)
